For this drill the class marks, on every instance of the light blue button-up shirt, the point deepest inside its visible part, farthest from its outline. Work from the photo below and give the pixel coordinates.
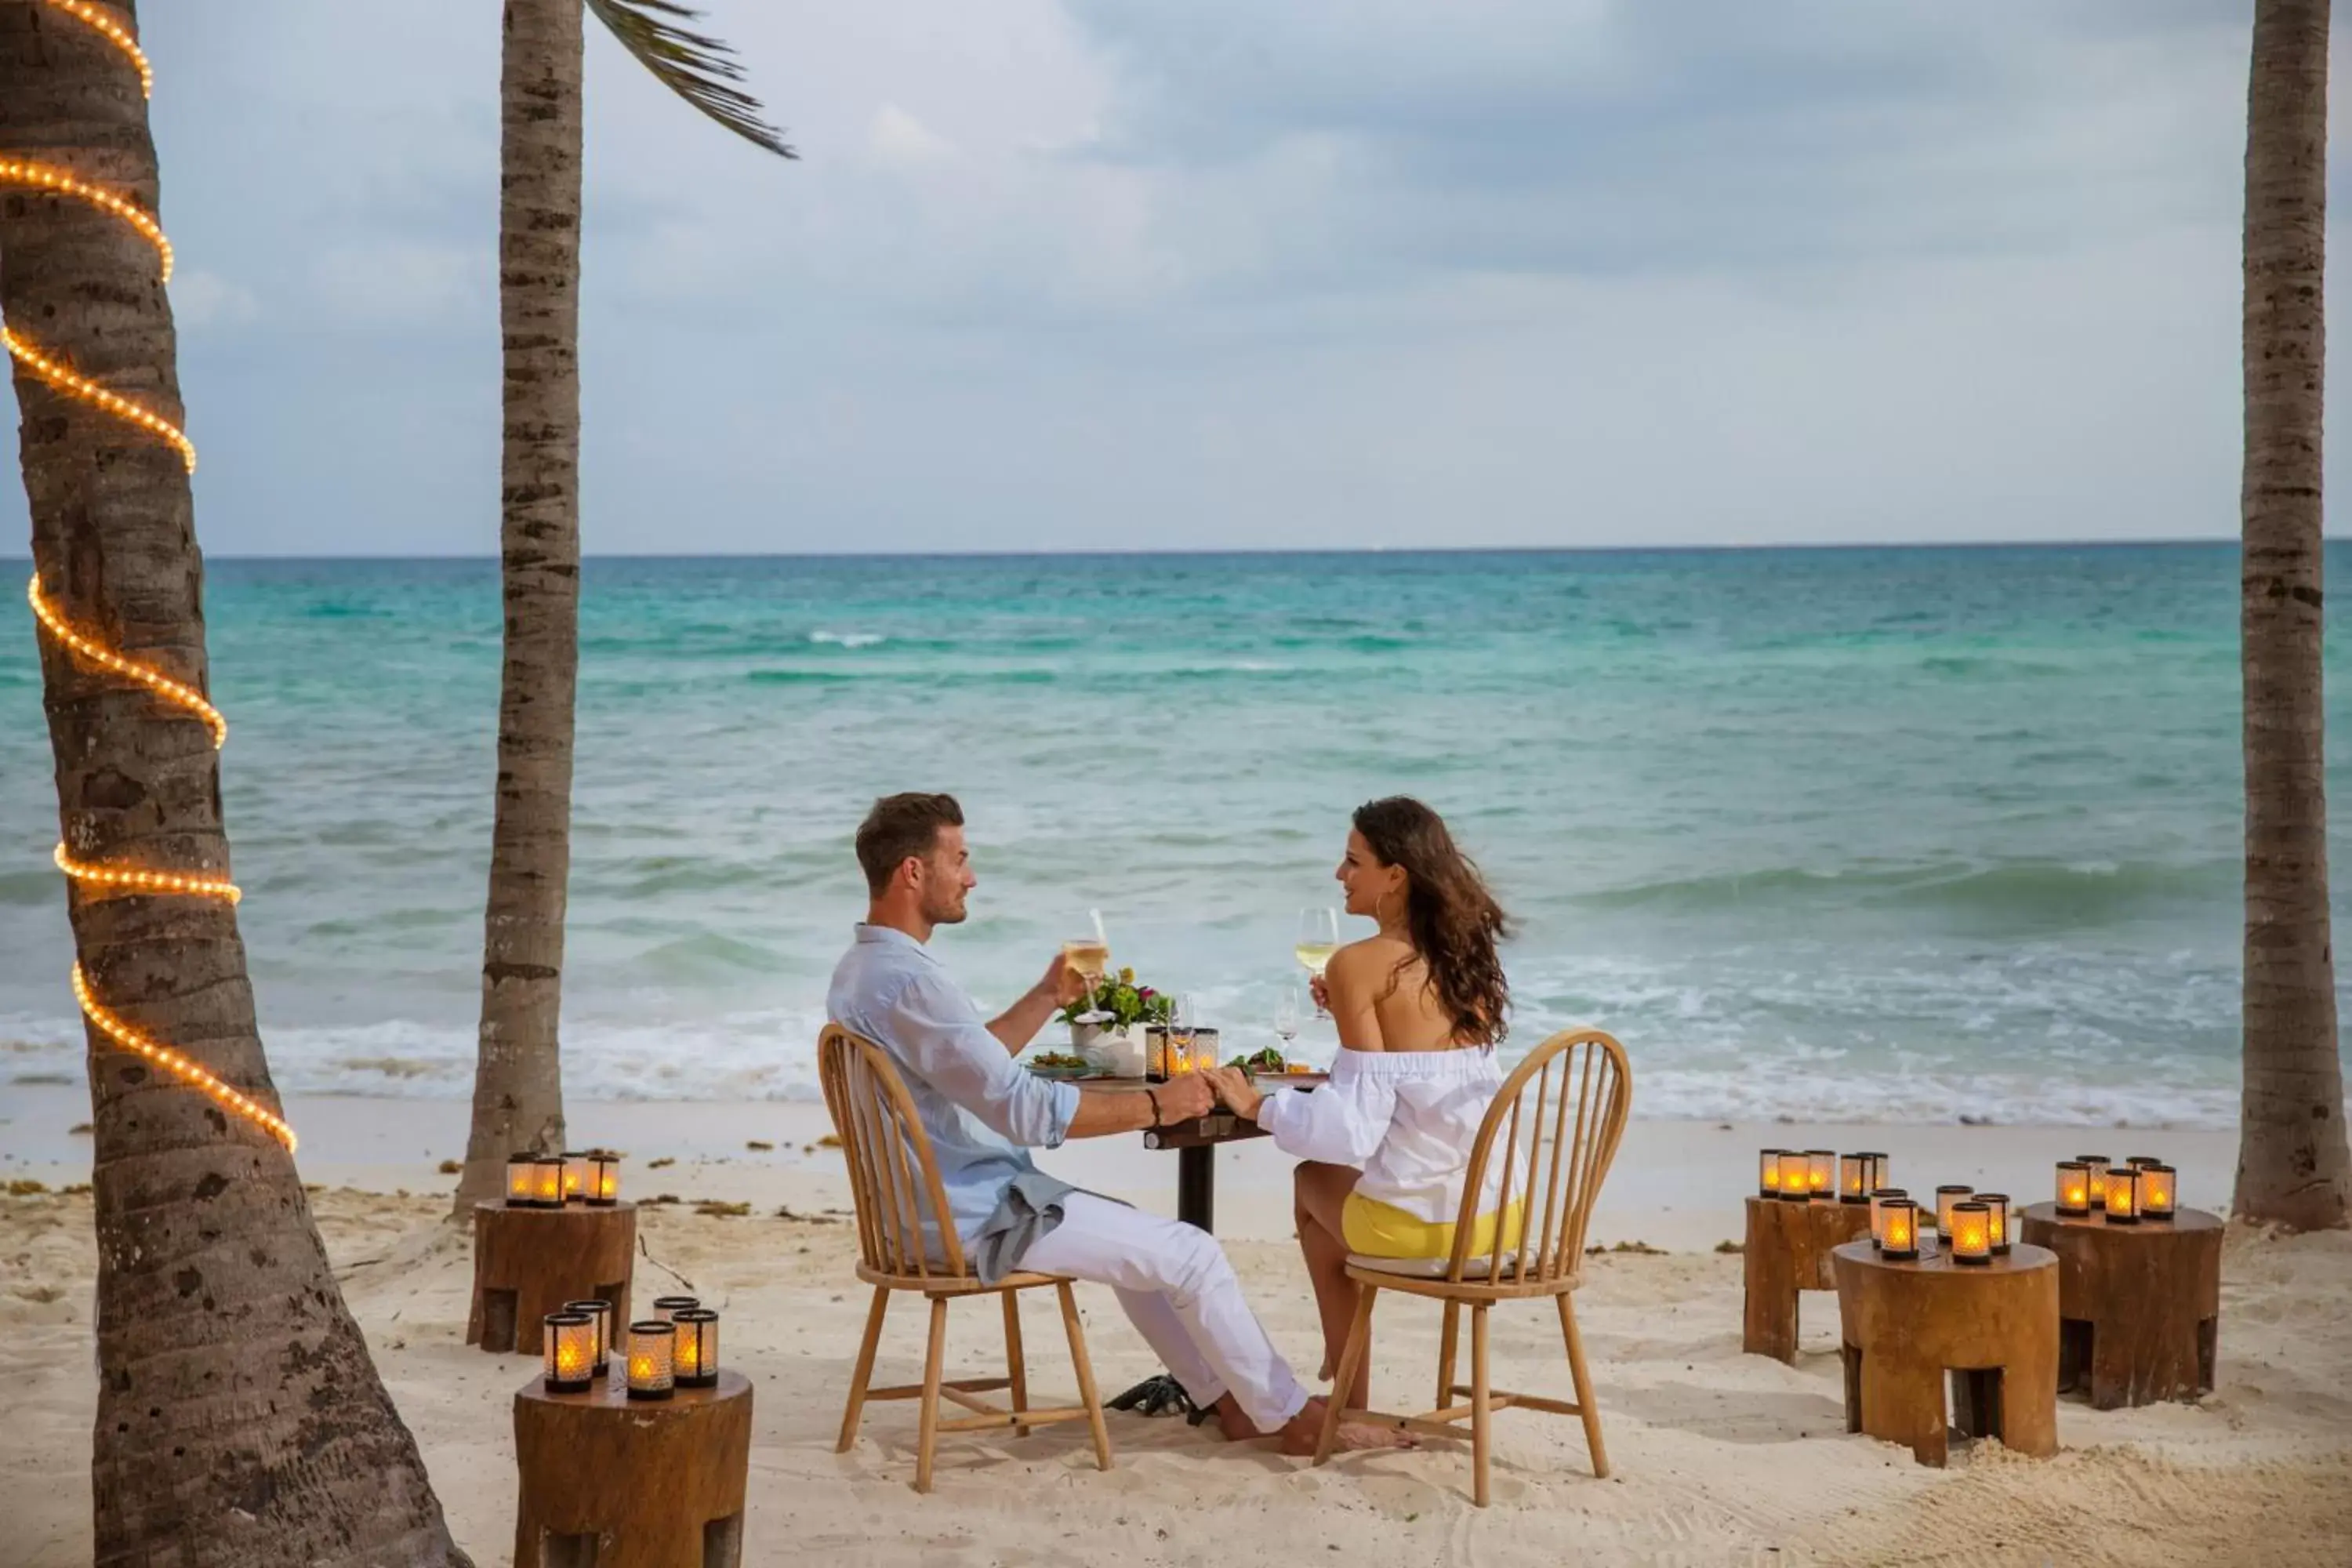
(982, 1110)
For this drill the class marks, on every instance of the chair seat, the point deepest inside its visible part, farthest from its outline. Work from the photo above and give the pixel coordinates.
(943, 1284)
(1426, 1267)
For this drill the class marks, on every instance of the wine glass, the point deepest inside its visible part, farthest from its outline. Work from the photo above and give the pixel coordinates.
(1319, 938)
(1090, 956)
(1285, 1019)
(1183, 1017)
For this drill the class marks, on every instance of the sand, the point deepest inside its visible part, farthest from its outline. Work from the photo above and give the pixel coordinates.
(1717, 1456)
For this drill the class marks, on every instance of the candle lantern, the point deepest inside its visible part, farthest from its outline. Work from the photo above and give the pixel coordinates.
(1821, 1172)
(2141, 1161)
(1796, 1175)
(604, 1189)
(1767, 1172)
(2122, 1201)
(1969, 1227)
(1874, 1174)
(575, 1175)
(1998, 1225)
(1899, 1230)
(2097, 1165)
(1206, 1047)
(547, 1182)
(667, 1307)
(1155, 1052)
(2159, 1190)
(2074, 1187)
(1854, 1178)
(599, 1311)
(694, 1356)
(1945, 1198)
(1878, 1202)
(650, 1343)
(568, 1350)
(522, 1178)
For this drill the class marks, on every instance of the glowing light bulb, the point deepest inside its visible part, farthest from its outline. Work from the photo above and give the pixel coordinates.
(62, 380)
(115, 33)
(49, 177)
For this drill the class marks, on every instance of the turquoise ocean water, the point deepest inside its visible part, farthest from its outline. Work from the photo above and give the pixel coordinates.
(1886, 832)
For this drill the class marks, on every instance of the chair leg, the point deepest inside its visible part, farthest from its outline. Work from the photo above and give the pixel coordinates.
(1583, 1386)
(1085, 1368)
(1449, 1339)
(926, 1433)
(863, 1375)
(1358, 1332)
(1016, 1368)
(1478, 1386)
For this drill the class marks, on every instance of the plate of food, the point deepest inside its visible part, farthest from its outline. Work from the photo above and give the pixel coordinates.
(1065, 1065)
(1269, 1068)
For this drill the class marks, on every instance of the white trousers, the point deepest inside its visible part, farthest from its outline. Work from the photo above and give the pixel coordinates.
(1180, 1292)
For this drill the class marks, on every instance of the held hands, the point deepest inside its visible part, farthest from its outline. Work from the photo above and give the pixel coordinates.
(1232, 1090)
(1182, 1098)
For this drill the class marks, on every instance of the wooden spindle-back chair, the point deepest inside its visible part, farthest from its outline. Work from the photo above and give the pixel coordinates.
(1545, 1145)
(906, 1241)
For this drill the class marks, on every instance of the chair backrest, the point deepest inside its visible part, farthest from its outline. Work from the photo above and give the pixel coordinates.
(1551, 1133)
(894, 1182)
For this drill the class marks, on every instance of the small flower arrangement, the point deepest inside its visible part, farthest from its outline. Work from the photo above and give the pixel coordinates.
(1118, 1003)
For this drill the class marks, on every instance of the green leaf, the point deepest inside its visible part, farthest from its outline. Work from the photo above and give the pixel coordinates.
(696, 68)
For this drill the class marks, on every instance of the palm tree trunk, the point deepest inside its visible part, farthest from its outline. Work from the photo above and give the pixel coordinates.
(239, 1421)
(518, 1076)
(2294, 1167)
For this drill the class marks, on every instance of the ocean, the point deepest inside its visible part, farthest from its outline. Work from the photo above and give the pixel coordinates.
(1895, 834)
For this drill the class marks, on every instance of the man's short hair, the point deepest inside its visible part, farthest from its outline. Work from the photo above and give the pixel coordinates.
(900, 826)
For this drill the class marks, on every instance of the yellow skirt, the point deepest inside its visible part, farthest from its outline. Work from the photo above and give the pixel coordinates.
(1380, 1230)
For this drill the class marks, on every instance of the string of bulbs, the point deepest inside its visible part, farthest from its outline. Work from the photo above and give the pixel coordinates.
(61, 379)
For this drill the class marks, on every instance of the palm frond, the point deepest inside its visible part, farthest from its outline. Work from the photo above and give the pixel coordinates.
(696, 68)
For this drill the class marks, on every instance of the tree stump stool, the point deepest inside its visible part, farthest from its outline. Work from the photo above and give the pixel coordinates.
(1993, 1326)
(612, 1482)
(2137, 1304)
(1788, 1248)
(529, 1262)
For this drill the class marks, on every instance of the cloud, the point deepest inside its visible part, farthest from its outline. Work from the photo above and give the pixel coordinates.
(207, 299)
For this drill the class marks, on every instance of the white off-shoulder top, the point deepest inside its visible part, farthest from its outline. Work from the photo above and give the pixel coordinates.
(1405, 1119)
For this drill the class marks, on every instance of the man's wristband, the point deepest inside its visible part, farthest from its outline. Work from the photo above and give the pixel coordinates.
(1152, 1095)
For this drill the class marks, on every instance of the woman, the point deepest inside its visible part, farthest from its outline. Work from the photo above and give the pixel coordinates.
(1419, 1006)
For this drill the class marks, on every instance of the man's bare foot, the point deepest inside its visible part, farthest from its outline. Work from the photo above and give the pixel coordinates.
(1304, 1432)
(1236, 1427)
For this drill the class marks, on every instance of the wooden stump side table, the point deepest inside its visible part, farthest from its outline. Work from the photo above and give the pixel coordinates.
(529, 1262)
(1788, 1250)
(1994, 1326)
(623, 1483)
(2137, 1304)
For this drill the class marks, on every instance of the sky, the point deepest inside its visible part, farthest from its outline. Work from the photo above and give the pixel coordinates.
(1060, 274)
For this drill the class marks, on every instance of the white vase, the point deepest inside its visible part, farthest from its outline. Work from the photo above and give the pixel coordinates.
(1117, 1051)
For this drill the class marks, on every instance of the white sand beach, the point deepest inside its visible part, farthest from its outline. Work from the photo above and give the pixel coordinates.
(1717, 1456)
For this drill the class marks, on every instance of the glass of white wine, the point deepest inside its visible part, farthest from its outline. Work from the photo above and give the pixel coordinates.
(1090, 956)
(1319, 938)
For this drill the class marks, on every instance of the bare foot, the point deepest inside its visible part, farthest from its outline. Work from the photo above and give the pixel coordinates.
(1305, 1433)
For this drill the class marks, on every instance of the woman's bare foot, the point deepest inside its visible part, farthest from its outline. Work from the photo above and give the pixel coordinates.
(1304, 1434)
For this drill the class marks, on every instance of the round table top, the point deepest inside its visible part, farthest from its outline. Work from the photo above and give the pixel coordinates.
(610, 1393)
(2021, 1258)
(575, 1208)
(2181, 1220)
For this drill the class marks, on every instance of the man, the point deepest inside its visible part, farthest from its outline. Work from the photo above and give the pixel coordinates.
(982, 1111)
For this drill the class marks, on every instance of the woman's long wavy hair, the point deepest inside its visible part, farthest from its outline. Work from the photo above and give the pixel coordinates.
(1453, 920)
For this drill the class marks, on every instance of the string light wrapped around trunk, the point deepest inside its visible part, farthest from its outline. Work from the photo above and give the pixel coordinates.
(61, 378)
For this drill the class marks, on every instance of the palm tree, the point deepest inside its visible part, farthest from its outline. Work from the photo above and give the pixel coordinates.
(518, 1075)
(2293, 1166)
(240, 1420)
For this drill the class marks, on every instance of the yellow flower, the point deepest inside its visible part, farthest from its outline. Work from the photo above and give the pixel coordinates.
(1127, 976)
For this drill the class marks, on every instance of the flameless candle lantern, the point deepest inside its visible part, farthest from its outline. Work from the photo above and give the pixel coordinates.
(1796, 1174)
(522, 1174)
(604, 1189)
(2123, 1196)
(2097, 1166)
(1767, 1172)
(1969, 1224)
(575, 1175)
(1821, 1172)
(695, 1352)
(547, 1182)
(650, 1343)
(2141, 1161)
(1899, 1232)
(569, 1349)
(1854, 1178)
(1998, 1203)
(1878, 1202)
(600, 1313)
(2158, 1186)
(1945, 1198)
(667, 1307)
(2074, 1187)
(1874, 1176)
